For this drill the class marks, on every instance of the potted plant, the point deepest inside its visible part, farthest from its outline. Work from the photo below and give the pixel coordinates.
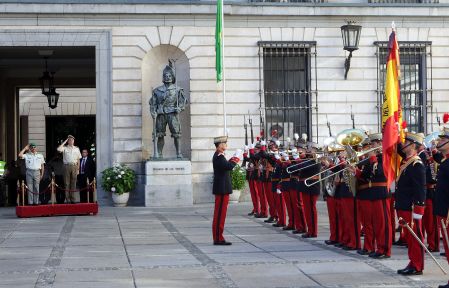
(238, 180)
(119, 180)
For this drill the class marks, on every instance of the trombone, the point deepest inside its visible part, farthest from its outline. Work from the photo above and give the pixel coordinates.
(346, 138)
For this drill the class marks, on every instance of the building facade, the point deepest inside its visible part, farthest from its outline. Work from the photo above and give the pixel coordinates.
(283, 60)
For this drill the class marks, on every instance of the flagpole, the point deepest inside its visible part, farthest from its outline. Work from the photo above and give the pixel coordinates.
(224, 71)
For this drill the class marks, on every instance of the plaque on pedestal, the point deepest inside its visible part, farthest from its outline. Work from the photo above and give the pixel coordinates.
(168, 183)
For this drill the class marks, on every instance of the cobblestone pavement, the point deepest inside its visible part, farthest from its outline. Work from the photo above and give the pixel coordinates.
(172, 247)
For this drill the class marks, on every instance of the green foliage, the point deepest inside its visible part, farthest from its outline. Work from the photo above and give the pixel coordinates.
(238, 178)
(118, 178)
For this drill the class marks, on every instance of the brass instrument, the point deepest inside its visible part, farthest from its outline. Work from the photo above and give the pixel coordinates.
(346, 138)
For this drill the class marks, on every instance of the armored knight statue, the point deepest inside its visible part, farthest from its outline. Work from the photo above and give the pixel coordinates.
(167, 101)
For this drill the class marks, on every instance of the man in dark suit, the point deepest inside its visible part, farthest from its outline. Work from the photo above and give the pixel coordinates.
(87, 171)
(222, 187)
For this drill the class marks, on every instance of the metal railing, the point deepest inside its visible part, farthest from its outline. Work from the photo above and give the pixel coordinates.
(404, 1)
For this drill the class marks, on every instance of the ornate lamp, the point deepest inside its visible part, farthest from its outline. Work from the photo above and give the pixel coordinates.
(351, 37)
(46, 80)
(52, 98)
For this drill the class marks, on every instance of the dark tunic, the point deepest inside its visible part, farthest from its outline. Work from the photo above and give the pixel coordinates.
(373, 173)
(222, 179)
(411, 187)
(441, 200)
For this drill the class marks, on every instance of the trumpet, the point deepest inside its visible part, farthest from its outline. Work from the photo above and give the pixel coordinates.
(346, 138)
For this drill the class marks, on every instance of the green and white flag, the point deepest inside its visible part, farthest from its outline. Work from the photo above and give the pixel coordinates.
(219, 41)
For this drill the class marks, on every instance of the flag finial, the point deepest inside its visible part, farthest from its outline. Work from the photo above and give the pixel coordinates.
(393, 26)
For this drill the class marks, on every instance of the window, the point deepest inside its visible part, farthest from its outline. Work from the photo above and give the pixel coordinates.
(286, 87)
(415, 57)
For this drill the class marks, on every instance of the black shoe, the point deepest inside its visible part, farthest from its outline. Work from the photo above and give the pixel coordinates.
(399, 243)
(377, 255)
(287, 228)
(260, 216)
(269, 220)
(330, 242)
(443, 254)
(297, 231)
(307, 235)
(444, 286)
(222, 243)
(363, 252)
(338, 245)
(347, 248)
(251, 213)
(409, 271)
(277, 225)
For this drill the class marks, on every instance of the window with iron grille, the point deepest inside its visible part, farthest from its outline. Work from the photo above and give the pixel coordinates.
(415, 83)
(286, 87)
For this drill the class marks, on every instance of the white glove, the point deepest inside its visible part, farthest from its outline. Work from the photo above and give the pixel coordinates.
(246, 148)
(288, 139)
(251, 146)
(277, 156)
(294, 150)
(296, 136)
(286, 157)
(278, 191)
(238, 153)
(295, 156)
(278, 143)
(417, 216)
(263, 143)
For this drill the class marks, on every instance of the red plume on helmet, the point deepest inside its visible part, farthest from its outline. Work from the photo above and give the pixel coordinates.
(274, 133)
(404, 125)
(445, 118)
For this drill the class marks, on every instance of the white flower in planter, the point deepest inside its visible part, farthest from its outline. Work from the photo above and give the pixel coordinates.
(119, 176)
(123, 173)
(113, 189)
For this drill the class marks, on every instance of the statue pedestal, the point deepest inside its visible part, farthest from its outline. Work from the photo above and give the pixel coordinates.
(168, 183)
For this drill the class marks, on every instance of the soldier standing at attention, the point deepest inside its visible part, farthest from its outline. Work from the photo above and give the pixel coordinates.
(441, 201)
(410, 200)
(34, 171)
(222, 187)
(71, 156)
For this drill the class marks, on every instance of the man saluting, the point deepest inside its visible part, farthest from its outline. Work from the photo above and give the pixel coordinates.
(222, 187)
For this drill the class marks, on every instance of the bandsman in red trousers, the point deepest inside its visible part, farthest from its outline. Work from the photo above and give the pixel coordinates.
(284, 187)
(430, 224)
(222, 187)
(375, 203)
(251, 174)
(268, 163)
(278, 196)
(410, 200)
(300, 225)
(441, 203)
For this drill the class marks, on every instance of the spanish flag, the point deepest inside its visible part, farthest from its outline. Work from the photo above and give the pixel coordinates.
(392, 113)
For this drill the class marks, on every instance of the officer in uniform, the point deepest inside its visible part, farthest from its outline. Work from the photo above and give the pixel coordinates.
(34, 171)
(222, 187)
(410, 200)
(441, 201)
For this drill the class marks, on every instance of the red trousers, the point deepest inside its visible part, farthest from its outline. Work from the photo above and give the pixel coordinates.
(311, 213)
(445, 241)
(350, 223)
(430, 227)
(262, 198)
(415, 250)
(254, 196)
(290, 202)
(298, 213)
(393, 217)
(332, 213)
(382, 225)
(221, 207)
(270, 198)
(280, 208)
(366, 218)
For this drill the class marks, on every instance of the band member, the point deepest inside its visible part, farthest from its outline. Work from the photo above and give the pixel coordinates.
(373, 190)
(284, 188)
(259, 175)
(299, 219)
(430, 224)
(270, 164)
(410, 200)
(251, 174)
(278, 195)
(222, 187)
(311, 193)
(441, 202)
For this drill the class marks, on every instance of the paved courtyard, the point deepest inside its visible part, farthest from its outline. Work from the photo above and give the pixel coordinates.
(141, 247)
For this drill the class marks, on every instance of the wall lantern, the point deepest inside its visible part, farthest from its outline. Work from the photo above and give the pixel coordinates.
(46, 80)
(351, 37)
(52, 98)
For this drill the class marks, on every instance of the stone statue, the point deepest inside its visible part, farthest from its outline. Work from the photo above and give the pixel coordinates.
(167, 101)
